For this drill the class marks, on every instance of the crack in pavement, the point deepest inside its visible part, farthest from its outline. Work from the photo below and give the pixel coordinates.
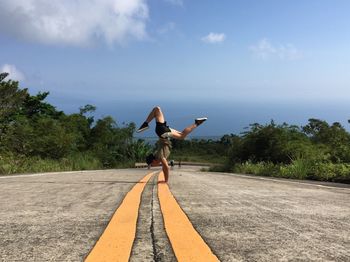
(156, 257)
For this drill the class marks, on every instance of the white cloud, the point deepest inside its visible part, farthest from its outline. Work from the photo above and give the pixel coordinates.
(265, 50)
(166, 28)
(213, 38)
(77, 23)
(14, 73)
(175, 2)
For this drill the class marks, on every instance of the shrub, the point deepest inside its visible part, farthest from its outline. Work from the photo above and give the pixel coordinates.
(299, 169)
(261, 168)
(331, 172)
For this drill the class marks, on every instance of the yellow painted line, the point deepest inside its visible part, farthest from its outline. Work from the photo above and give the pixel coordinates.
(187, 244)
(116, 242)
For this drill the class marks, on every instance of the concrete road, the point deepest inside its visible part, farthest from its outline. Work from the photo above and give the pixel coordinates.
(245, 218)
(60, 216)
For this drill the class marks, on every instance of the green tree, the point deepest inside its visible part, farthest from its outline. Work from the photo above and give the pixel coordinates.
(334, 137)
(110, 143)
(139, 150)
(45, 137)
(34, 106)
(11, 100)
(270, 143)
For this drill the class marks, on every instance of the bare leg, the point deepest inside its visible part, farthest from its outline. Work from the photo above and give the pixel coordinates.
(182, 135)
(157, 114)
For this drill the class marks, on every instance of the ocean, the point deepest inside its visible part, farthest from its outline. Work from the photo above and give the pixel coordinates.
(153, 140)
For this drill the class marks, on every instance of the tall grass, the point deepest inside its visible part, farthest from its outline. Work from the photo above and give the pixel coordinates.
(10, 164)
(300, 168)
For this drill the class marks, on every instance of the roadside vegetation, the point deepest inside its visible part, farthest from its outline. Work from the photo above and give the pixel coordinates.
(198, 150)
(36, 137)
(317, 151)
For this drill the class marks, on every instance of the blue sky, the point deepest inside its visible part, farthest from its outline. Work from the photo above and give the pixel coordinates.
(236, 61)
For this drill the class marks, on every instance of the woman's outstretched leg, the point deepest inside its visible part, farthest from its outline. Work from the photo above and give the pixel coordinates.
(182, 135)
(163, 130)
(157, 114)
